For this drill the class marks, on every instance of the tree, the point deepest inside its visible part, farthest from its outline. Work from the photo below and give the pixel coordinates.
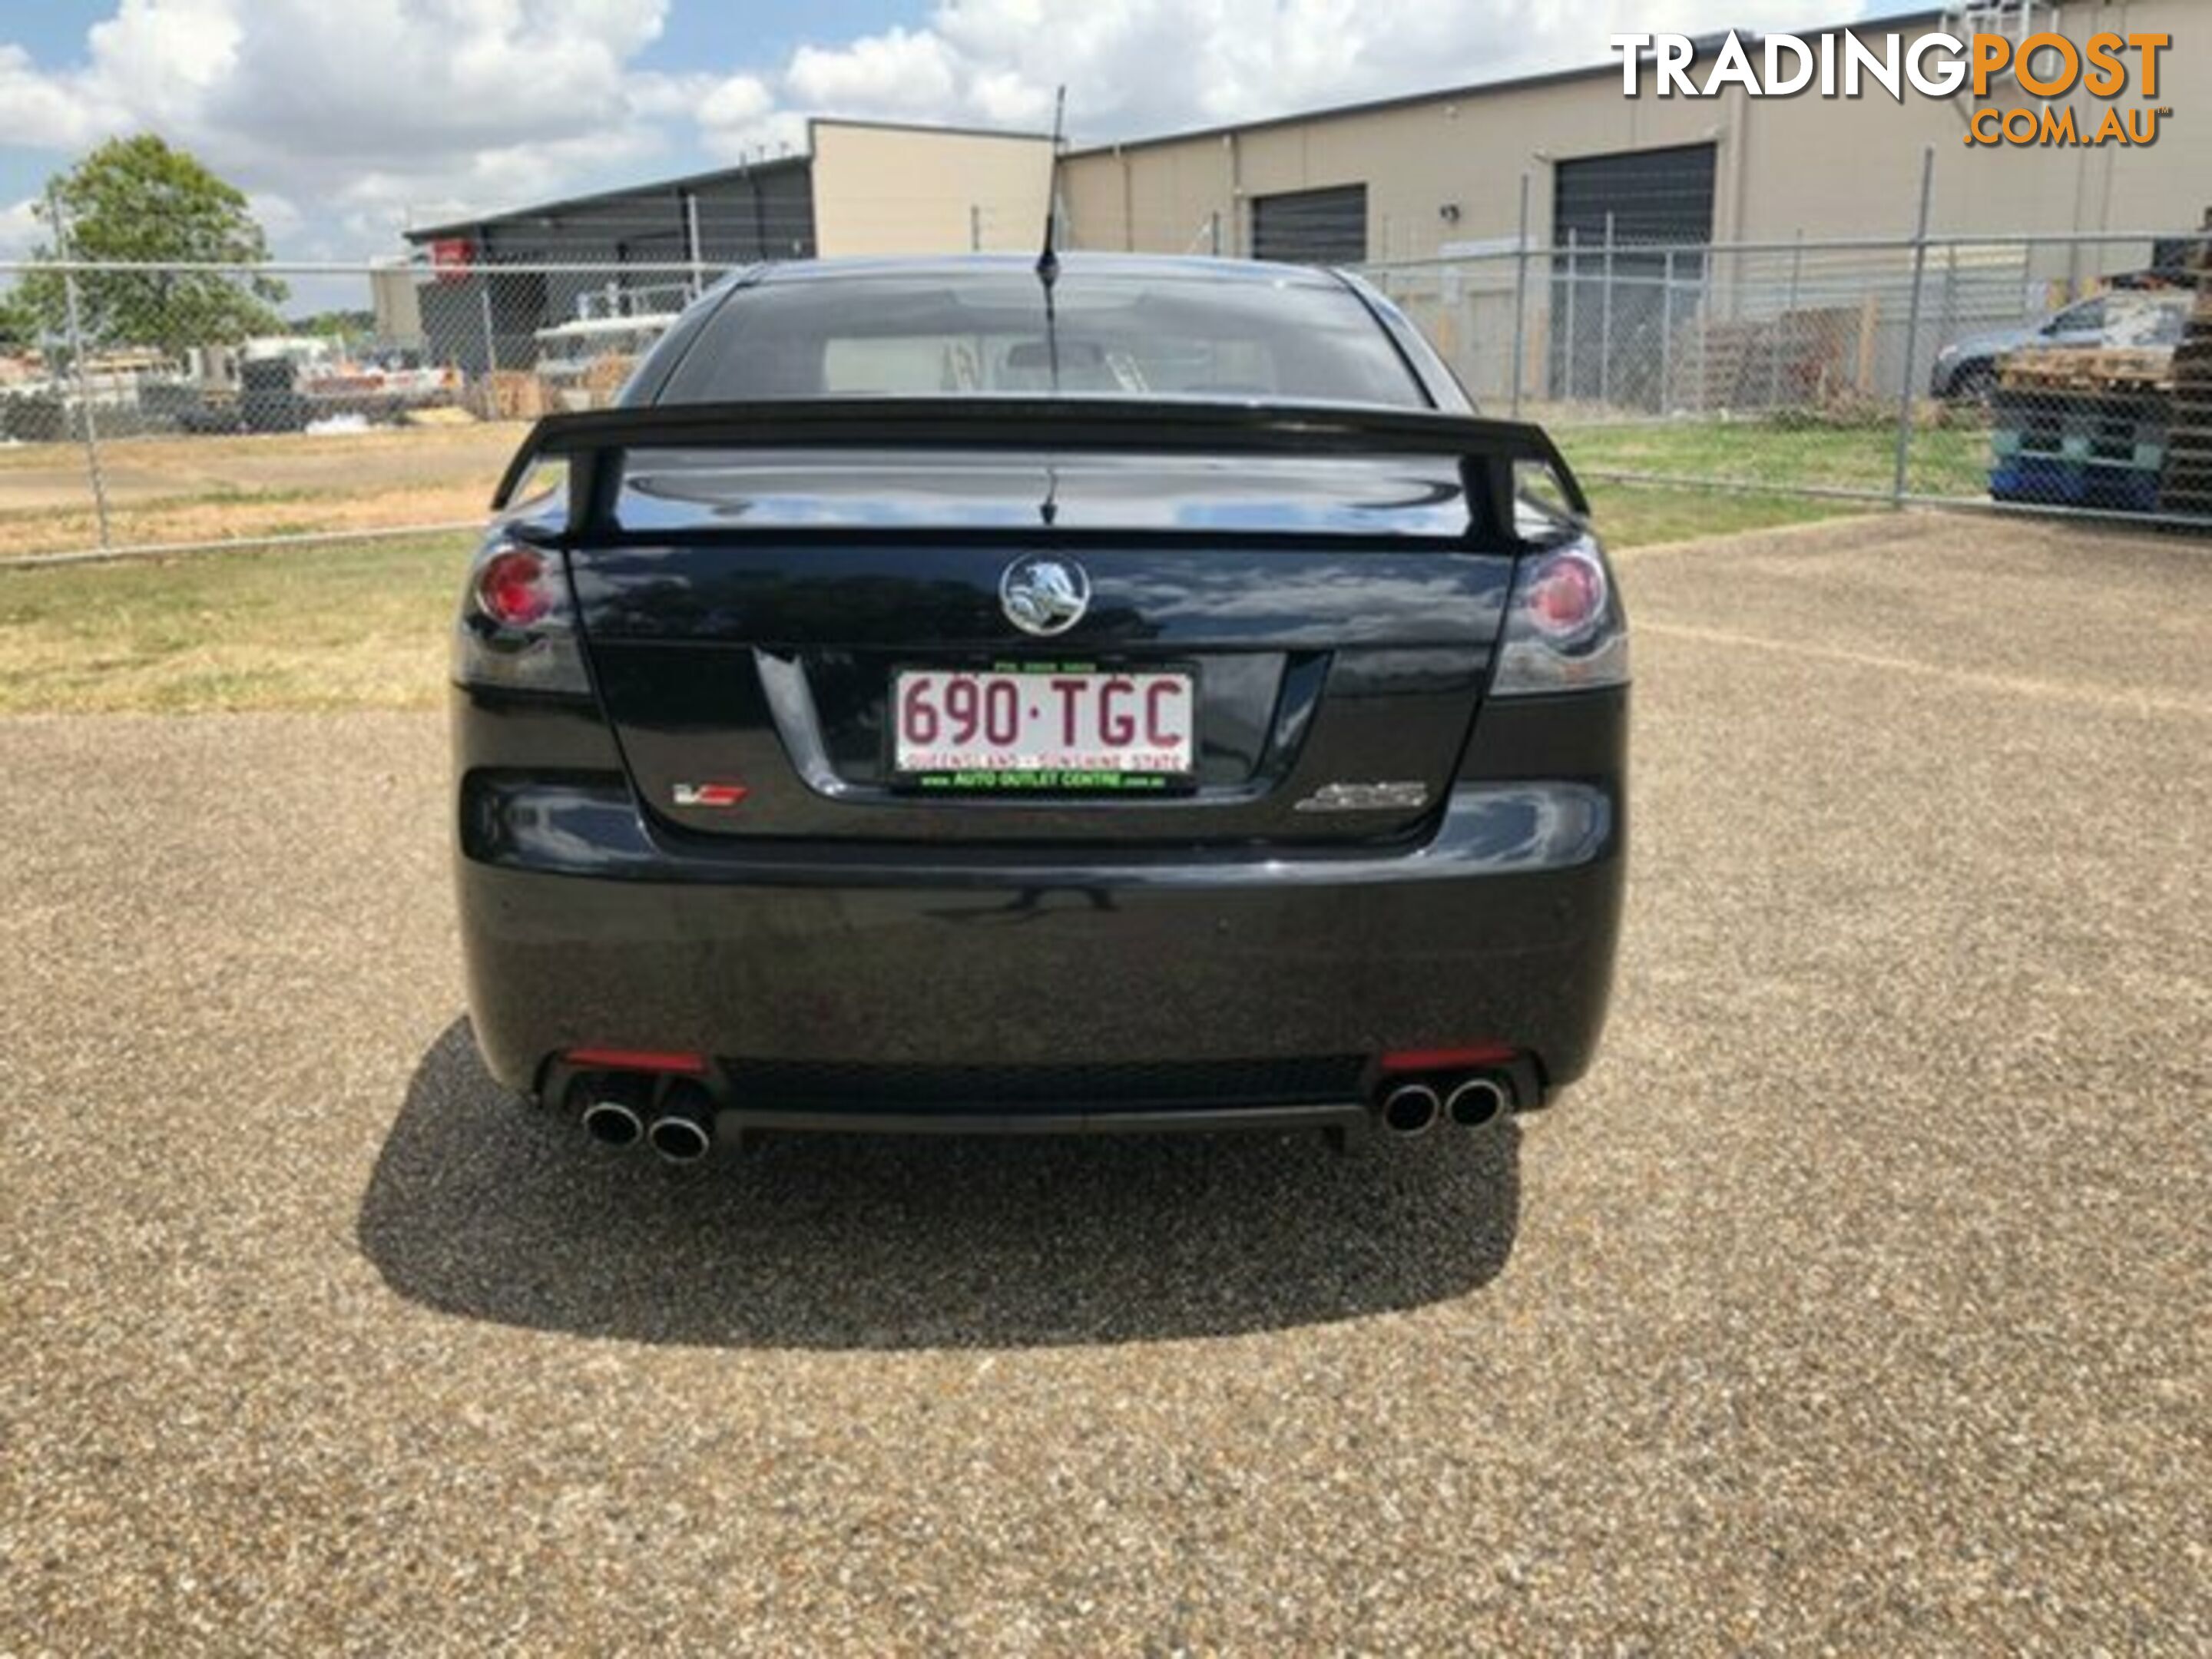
(138, 200)
(19, 324)
(336, 324)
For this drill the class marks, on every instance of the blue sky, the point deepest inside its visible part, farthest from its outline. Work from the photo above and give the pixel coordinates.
(759, 33)
(53, 35)
(54, 30)
(347, 121)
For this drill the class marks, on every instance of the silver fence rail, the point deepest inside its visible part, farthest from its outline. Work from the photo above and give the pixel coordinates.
(169, 408)
(160, 409)
(2060, 374)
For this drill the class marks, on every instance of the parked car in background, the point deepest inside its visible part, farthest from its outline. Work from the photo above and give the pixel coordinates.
(583, 363)
(1967, 369)
(1125, 693)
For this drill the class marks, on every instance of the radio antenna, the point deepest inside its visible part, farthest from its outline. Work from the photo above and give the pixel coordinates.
(1048, 265)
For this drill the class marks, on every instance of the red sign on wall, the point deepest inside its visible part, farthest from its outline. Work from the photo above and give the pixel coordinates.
(451, 258)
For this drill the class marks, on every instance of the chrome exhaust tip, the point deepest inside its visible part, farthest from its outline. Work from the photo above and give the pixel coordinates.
(1411, 1109)
(679, 1139)
(1478, 1103)
(684, 1130)
(610, 1106)
(613, 1123)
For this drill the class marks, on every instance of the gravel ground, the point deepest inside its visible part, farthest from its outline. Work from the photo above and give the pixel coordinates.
(1860, 1301)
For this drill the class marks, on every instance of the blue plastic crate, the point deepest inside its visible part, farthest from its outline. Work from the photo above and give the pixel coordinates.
(2050, 483)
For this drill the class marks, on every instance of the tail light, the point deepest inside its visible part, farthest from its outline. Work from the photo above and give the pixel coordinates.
(517, 627)
(664, 1062)
(1399, 1061)
(515, 587)
(1566, 596)
(1564, 629)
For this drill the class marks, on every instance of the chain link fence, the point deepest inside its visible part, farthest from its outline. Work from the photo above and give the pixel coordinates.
(177, 407)
(2069, 373)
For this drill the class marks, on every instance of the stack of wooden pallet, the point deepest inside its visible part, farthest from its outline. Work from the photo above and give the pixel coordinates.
(2079, 368)
(1799, 359)
(2188, 482)
(2077, 428)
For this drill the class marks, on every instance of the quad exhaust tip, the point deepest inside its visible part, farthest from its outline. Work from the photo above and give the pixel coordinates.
(611, 1107)
(1478, 1103)
(617, 1109)
(679, 1139)
(613, 1122)
(1410, 1109)
(684, 1133)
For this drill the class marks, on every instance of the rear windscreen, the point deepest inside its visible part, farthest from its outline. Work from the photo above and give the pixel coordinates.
(1131, 334)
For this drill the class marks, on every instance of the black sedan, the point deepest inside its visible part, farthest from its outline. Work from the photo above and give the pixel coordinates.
(1125, 694)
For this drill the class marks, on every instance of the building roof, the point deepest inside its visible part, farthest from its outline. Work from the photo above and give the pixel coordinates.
(783, 164)
(1265, 273)
(1751, 38)
(767, 167)
(546, 210)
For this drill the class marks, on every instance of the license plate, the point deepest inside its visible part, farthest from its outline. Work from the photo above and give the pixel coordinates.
(1044, 728)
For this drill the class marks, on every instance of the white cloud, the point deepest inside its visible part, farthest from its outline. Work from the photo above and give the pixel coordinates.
(430, 76)
(39, 110)
(418, 110)
(21, 230)
(1141, 66)
(909, 74)
(410, 109)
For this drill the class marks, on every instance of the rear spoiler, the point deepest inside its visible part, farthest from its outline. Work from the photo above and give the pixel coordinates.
(595, 441)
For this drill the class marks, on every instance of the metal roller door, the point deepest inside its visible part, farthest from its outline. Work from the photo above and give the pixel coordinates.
(1312, 227)
(1608, 315)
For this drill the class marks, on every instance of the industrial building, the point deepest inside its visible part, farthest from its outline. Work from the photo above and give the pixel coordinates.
(1441, 172)
(1435, 175)
(1655, 210)
(859, 187)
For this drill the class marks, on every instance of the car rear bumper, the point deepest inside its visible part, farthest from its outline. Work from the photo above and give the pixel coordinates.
(585, 925)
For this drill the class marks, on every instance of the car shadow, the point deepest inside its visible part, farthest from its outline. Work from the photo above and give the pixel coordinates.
(480, 1208)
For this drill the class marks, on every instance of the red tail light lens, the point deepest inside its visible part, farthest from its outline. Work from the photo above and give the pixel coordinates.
(640, 1060)
(1564, 630)
(1401, 1060)
(514, 587)
(516, 629)
(1566, 595)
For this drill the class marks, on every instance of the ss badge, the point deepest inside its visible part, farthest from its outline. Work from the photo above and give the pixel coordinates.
(708, 794)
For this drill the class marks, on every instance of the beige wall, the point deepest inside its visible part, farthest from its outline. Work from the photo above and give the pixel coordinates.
(1828, 166)
(907, 189)
(397, 304)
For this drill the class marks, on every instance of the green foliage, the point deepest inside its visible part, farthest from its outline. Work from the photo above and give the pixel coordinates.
(19, 324)
(336, 324)
(137, 199)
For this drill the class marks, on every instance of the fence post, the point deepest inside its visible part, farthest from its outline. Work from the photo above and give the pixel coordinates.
(691, 234)
(1605, 323)
(1912, 330)
(1950, 324)
(491, 341)
(1782, 322)
(1665, 333)
(1574, 281)
(89, 428)
(1521, 300)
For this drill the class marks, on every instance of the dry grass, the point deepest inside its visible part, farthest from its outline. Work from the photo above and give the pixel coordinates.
(163, 490)
(243, 518)
(347, 627)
